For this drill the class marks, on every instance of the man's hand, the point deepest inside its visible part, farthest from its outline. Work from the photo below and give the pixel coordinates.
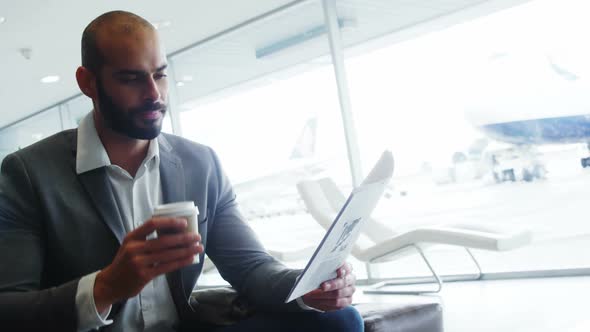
(138, 260)
(333, 294)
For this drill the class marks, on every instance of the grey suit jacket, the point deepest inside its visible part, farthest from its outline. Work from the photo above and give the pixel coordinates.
(57, 226)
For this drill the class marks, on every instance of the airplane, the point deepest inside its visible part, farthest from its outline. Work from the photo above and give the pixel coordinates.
(268, 195)
(529, 101)
(508, 152)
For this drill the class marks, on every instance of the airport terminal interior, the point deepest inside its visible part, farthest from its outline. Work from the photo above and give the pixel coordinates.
(484, 105)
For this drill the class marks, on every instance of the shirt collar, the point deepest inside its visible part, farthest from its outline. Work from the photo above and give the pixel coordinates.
(91, 154)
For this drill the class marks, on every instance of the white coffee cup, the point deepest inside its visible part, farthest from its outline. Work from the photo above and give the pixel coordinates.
(187, 210)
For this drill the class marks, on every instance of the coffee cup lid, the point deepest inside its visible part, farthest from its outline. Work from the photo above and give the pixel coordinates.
(170, 208)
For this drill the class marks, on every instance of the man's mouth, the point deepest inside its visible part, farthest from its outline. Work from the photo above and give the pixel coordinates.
(151, 115)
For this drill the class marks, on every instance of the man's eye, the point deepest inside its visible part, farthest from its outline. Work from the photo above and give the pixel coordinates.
(129, 79)
(160, 76)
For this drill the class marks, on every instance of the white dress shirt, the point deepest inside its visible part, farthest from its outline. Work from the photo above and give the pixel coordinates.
(153, 309)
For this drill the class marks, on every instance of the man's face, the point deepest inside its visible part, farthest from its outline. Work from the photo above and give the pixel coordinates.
(141, 122)
(132, 86)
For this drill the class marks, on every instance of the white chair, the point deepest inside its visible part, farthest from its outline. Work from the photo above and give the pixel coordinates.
(323, 200)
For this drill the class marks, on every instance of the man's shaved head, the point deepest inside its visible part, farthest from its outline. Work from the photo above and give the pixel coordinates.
(113, 23)
(124, 72)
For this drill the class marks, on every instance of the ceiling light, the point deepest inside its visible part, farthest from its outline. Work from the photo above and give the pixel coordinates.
(304, 36)
(2, 19)
(50, 79)
(179, 84)
(187, 78)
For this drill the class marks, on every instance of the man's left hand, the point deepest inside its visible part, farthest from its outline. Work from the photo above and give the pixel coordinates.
(333, 294)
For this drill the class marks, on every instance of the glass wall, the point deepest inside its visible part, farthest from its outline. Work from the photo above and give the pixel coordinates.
(75, 110)
(264, 98)
(487, 119)
(488, 123)
(29, 131)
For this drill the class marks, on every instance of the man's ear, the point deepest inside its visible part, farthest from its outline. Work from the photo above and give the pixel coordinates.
(86, 82)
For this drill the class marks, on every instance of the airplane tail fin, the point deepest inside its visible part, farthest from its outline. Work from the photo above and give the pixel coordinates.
(305, 145)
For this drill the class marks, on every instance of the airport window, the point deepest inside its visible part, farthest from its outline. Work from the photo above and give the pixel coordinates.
(29, 131)
(272, 135)
(462, 109)
(270, 110)
(486, 117)
(488, 123)
(74, 111)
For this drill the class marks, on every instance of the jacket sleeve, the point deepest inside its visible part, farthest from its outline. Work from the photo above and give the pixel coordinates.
(23, 304)
(240, 257)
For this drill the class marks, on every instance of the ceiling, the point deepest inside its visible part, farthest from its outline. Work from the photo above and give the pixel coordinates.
(51, 29)
(233, 60)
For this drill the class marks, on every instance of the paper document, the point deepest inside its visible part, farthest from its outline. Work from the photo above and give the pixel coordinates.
(344, 231)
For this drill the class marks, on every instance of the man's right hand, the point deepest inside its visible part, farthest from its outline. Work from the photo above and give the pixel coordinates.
(138, 260)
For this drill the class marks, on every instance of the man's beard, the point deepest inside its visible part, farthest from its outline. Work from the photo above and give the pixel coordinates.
(122, 121)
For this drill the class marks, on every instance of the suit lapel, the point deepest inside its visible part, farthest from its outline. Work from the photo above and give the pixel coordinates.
(171, 175)
(99, 189)
(174, 190)
(97, 186)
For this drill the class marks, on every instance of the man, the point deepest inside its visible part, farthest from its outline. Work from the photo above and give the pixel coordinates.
(75, 214)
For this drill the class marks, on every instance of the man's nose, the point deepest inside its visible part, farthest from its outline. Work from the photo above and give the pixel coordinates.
(152, 91)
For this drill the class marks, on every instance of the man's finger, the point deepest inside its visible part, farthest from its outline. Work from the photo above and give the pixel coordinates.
(335, 294)
(348, 267)
(171, 241)
(333, 304)
(315, 291)
(345, 269)
(171, 266)
(350, 279)
(338, 283)
(169, 255)
(141, 232)
(333, 284)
